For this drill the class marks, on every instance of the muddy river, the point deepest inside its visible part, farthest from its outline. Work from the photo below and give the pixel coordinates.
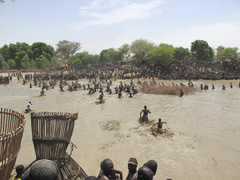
(203, 129)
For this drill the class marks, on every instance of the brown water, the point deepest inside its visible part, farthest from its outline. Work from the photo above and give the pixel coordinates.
(205, 126)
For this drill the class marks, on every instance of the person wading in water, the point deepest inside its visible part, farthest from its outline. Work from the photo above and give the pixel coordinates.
(145, 112)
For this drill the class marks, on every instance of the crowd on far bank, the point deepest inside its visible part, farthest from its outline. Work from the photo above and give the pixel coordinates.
(178, 70)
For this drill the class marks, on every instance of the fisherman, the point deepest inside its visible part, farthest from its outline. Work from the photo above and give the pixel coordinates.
(28, 109)
(159, 124)
(145, 173)
(42, 92)
(101, 97)
(120, 94)
(130, 95)
(213, 87)
(181, 93)
(19, 171)
(145, 112)
(108, 172)
(152, 164)
(223, 88)
(132, 168)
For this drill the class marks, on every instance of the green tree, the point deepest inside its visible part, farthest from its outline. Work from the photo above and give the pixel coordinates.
(229, 54)
(42, 62)
(181, 53)
(82, 59)
(75, 60)
(219, 50)
(25, 62)
(1, 58)
(54, 62)
(11, 63)
(201, 51)
(125, 50)
(110, 55)
(18, 58)
(66, 49)
(4, 65)
(161, 55)
(139, 48)
(42, 49)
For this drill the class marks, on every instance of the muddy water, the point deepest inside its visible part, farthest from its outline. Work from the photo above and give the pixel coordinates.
(203, 140)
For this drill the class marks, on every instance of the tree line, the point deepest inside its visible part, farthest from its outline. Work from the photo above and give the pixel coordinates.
(40, 55)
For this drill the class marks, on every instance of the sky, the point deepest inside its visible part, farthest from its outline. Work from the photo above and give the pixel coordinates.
(103, 24)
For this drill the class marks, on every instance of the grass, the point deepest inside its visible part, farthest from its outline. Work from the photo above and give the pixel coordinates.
(166, 90)
(113, 125)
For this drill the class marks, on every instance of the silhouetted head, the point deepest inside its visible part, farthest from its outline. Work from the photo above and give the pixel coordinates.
(132, 165)
(107, 166)
(152, 164)
(91, 178)
(145, 107)
(20, 170)
(145, 173)
(43, 169)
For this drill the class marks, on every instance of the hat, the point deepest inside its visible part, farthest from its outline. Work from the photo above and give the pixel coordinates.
(133, 161)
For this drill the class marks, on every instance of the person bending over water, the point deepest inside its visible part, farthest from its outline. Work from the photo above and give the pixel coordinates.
(28, 109)
(159, 125)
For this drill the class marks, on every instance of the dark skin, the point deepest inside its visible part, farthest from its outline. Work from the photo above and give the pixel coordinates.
(132, 170)
(144, 173)
(159, 123)
(107, 171)
(145, 111)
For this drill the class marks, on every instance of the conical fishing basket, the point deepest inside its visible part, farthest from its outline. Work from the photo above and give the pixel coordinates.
(51, 133)
(11, 131)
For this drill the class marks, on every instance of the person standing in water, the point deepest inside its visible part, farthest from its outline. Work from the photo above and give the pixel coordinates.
(145, 113)
(181, 93)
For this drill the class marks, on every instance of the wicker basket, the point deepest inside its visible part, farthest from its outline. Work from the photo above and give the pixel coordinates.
(11, 131)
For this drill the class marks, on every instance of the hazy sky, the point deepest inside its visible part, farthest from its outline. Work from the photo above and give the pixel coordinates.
(103, 24)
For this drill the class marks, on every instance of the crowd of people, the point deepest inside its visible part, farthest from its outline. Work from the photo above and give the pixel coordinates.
(47, 170)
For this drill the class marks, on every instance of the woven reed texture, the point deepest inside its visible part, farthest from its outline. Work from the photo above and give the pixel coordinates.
(51, 133)
(11, 131)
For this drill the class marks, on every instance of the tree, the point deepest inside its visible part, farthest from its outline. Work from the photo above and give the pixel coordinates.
(82, 59)
(25, 62)
(201, 51)
(4, 65)
(42, 49)
(125, 50)
(229, 54)
(75, 60)
(219, 50)
(181, 53)
(11, 63)
(66, 49)
(110, 55)
(139, 48)
(161, 55)
(42, 62)
(18, 58)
